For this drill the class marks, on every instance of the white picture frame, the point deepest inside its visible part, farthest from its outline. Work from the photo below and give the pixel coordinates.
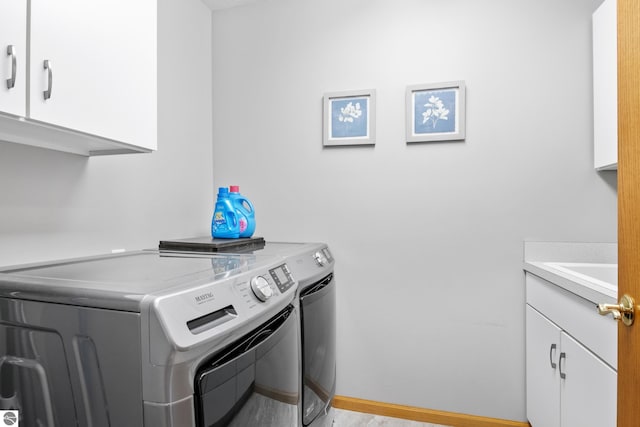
(349, 118)
(436, 112)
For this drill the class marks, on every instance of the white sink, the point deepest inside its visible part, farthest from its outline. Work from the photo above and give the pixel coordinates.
(605, 275)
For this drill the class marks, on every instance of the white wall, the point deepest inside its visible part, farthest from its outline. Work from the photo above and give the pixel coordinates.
(57, 205)
(428, 237)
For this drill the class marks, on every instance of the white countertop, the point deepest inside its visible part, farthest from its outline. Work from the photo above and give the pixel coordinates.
(584, 286)
(588, 270)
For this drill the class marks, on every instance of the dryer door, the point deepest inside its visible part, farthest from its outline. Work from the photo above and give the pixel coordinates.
(34, 378)
(253, 382)
(318, 307)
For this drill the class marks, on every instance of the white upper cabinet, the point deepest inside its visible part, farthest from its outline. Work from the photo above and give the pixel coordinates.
(92, 76)
(13, 57)
(605, 86)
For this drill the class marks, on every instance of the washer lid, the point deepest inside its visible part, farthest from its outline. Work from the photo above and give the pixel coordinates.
(120, 281)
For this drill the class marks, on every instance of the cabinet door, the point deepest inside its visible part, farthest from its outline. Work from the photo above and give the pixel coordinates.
(13, 61)
(588, 391)
(605, 86)
(102, 67)
(543, 376)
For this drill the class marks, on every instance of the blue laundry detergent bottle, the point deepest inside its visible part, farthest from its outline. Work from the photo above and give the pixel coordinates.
(224, 224)
(245, 211)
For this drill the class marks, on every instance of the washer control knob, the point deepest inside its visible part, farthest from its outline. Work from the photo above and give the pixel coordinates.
(321, 260)
(261, 288)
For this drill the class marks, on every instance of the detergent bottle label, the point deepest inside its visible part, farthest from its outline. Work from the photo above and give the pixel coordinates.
(219, 219)
(243, 224)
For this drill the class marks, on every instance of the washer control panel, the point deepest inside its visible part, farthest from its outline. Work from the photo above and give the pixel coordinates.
(323, 257)
(281, 275)
(321, 260)
(327, 254)
(261, 288)
(193, 314)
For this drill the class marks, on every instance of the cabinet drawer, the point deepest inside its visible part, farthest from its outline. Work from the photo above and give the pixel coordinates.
(577, 316)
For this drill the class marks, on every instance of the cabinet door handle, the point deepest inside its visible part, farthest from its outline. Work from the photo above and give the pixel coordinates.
(552, 349)
(11, 51)
(49, 68)
(563, 356)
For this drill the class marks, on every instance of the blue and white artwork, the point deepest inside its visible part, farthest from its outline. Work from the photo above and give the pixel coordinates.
(349, 118)
(434, 111)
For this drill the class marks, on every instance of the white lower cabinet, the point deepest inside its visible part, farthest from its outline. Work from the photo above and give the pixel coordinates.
(543, 376)
(567, 385)
(588, 391)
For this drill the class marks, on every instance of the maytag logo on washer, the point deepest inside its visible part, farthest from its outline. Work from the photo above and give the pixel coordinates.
(9, 418)
(202, 298)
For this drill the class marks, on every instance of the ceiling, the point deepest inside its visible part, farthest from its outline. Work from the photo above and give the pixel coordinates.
(225, 4)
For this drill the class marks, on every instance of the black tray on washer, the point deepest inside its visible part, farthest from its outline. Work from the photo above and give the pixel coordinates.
(209, 244)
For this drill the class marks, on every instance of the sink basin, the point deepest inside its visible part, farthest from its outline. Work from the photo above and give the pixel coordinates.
(605, 275)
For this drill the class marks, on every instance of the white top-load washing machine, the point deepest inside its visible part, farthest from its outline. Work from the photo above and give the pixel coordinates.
(151, 339)
(312, 264)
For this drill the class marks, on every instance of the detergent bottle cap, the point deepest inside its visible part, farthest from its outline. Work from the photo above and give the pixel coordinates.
(234, 188)
(223, 191)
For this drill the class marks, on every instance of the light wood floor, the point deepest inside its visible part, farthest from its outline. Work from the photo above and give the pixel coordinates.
(345, 418)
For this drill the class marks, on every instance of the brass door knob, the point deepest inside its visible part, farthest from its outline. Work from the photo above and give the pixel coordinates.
(623, 311)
